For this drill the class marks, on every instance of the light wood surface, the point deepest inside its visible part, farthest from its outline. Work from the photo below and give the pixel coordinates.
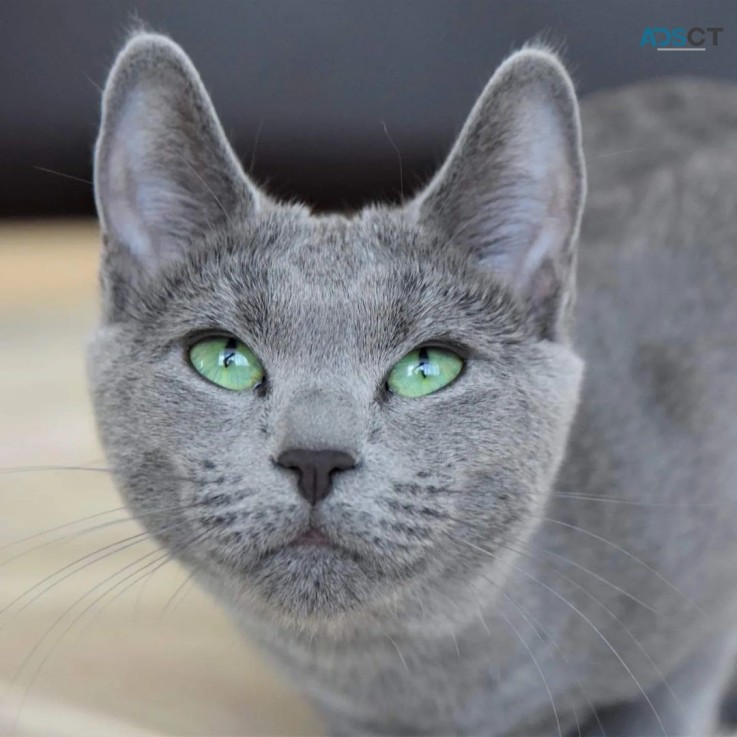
(78, 656)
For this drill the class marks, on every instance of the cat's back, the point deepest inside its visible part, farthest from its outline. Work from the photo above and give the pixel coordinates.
(645, 505)
(659, 236)
(657, 311)
(657, 326)
(662, 205)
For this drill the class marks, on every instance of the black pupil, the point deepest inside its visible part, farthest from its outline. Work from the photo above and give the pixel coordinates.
(424, 361)
(229, 351)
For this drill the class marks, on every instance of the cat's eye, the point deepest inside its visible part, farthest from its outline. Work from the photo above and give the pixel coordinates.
(227, 362)
(424, 371)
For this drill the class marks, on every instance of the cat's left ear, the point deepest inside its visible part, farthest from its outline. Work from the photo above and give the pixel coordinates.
(512, 189)
(164, 172)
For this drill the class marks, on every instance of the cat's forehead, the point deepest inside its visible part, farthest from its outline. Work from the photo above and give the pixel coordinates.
(338, 253)
(374, 267)
(326, 261)
(339, 280)
(367, 283)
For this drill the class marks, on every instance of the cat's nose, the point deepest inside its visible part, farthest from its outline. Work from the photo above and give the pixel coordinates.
(315, 468)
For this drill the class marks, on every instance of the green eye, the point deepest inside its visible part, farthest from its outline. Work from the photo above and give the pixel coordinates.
(227, 362)
(424, 371)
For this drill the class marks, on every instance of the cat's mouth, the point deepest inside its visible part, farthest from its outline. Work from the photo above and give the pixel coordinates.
(316, 568)
(311, 536)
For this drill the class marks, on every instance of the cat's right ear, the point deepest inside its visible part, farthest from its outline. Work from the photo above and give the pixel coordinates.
(511, 192)
(164, 172)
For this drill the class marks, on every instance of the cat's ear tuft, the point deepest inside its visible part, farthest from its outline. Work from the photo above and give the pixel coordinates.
(512, 189)
(164, 171)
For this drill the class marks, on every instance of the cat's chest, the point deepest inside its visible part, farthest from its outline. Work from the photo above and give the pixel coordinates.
(448, 684)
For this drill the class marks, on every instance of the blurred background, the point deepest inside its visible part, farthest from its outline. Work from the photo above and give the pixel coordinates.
(311, 93)
(328, 102)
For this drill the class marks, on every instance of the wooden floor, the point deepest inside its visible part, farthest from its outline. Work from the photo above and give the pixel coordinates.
(77, 655)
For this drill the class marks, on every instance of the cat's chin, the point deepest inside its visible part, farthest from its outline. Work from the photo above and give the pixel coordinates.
(313, 579)
(311, 582)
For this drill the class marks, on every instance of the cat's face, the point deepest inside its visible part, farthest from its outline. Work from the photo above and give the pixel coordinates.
(328, 306)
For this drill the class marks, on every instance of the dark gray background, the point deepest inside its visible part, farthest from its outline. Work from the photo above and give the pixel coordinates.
(318, 79)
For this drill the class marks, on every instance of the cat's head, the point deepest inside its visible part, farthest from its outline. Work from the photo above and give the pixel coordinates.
(326, 416)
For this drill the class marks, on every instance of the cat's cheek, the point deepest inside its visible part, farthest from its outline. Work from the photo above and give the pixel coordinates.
(557, 390)
(197, 418)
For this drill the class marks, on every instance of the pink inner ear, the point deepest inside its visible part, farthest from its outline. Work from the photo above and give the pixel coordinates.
(123, 185)
(544, 284)
(164, 171)
(120, 206)
(510, 191)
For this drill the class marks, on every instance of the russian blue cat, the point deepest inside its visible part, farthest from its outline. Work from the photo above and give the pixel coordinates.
(456, 468)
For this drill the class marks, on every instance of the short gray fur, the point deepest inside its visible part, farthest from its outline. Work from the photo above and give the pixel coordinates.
(478, 586)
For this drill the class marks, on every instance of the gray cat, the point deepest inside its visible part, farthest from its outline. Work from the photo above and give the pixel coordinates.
(373, 439)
